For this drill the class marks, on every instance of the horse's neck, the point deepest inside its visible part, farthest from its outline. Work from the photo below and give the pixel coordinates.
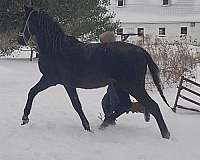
(68, 45)
(41, 43)
(45, 44)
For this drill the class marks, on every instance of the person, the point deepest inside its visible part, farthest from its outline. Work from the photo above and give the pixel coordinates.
(107, 37)
(116, 98)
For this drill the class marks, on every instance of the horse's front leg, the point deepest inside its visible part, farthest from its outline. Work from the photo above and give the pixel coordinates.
(77, 106)
(43, 84)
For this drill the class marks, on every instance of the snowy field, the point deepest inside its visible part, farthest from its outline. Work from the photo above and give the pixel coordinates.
(55, 131)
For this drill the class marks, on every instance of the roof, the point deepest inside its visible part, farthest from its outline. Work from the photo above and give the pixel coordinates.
(151, 11)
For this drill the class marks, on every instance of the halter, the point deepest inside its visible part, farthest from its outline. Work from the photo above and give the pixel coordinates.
(21, 34)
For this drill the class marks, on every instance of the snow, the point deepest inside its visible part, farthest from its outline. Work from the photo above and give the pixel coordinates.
(23, 52)
(55, 131)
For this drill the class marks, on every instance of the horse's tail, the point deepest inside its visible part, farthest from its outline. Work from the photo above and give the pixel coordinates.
(155, 72)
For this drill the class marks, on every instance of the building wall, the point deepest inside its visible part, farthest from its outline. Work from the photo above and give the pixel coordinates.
(151, 15)
(172, 30)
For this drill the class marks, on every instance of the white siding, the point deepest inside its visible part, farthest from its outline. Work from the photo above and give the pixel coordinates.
(151, 15)
(145, 9)
(172, 30)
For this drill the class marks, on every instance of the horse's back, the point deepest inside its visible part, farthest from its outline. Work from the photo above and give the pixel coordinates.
(119, 60)
(122, 55)
(95, 65)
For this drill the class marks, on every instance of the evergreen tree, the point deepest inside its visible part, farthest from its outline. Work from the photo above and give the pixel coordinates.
(85, 19)
(11, 14)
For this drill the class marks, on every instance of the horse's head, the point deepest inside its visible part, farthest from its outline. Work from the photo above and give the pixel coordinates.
(29, 26)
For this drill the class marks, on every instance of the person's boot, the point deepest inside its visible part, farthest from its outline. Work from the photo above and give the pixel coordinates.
(138, 108)
(111, 122)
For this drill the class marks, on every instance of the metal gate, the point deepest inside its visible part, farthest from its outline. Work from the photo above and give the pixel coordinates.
(179, 95)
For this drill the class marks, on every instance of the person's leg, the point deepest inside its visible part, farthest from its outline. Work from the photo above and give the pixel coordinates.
(118, 101)
(106, 105)
(110, 103)
(124, 99)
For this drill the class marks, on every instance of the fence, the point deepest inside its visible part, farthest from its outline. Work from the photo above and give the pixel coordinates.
(32, 51)
(179, 95)
(124, 36)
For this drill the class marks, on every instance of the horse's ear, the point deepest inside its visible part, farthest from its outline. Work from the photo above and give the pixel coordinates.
(27, 9)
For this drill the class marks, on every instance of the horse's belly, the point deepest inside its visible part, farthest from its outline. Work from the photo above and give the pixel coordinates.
(89, 82)
(92, 85)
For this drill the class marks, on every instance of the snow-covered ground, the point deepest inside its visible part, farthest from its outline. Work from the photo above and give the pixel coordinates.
(24, 52)
(55, 131)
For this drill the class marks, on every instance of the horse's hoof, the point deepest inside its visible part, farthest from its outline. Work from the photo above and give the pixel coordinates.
(166, 135)
(146, 116)
(90, 131)
(86, 126)
(87, 129)
(103, 125)
(25, 120)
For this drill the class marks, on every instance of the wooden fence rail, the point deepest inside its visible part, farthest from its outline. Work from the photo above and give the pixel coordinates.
(179, 95)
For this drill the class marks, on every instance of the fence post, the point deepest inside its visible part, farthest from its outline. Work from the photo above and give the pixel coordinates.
(178, 93)
(31, 57)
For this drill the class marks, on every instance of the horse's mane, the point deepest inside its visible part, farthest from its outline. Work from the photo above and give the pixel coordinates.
(54, 34)
(49, 24)
(57, 42)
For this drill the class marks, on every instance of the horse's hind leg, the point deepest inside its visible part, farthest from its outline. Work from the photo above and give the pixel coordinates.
(77, 106)
(43, 84)
(153, 108)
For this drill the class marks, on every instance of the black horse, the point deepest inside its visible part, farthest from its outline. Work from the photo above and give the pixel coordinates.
(65, 60)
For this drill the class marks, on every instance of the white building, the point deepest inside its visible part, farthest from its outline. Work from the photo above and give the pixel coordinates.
(170, 19)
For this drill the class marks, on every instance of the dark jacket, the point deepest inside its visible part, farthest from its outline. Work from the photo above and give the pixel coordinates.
(115, 99)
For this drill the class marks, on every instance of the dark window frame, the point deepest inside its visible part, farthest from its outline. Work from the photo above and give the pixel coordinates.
(165, 2)
(162, 31)
(184, 30)
(192, 24)
(140, 31)
(120, 3)
(119, 31)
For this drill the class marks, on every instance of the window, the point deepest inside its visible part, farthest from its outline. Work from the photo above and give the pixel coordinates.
(120, 31)
(120, 3)
(184, 30)
(165, 2)
(192, 24)
(161, 31)
(140, 31)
